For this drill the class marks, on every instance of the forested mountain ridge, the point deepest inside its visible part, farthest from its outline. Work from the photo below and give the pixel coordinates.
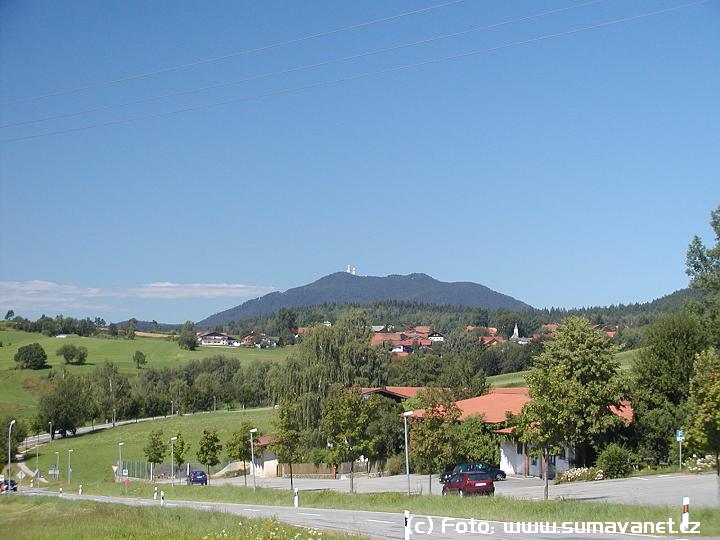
(346, 288)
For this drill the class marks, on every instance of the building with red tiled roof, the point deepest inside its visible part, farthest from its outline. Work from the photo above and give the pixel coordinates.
(397, 393)
(495, 406)
(488, 341)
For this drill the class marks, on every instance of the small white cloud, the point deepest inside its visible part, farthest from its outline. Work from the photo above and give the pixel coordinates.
(164, 289)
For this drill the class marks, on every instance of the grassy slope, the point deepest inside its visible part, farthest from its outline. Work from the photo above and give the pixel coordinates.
(46, 518)
(94, 454)
(626, 359)
(21, 388)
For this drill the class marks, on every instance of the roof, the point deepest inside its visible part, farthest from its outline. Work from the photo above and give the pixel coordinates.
(206, 334)
(378, 338)
(402, 392)
(263, 440)
(498, 401)
(422, 329)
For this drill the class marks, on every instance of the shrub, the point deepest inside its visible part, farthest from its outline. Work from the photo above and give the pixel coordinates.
(395, 464)
(700, 464)
(615, 461)
(31, 356)
(580, 474)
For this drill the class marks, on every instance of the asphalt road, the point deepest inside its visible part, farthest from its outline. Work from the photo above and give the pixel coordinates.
(661, 490)
(381, 525)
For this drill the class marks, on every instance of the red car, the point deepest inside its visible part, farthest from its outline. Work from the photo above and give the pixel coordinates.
(470, 483)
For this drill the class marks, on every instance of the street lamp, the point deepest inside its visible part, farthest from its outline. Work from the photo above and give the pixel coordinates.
(172, 458)
(70, 450)
(57, 465)
(252, 456)
(120, 461)
(12, 423)
(51, 432)
(172, 410)
(406, 415)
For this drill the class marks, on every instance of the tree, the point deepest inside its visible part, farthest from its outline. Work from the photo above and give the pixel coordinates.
(81, 355)
(180, 450)
(703, 264)
(209, 449)
(112, 330)
(130, 328)
(139, 359)
(156, 448)
(9, 315)
(475, 442)
(345, 418)
(432, 441)
(72, 354)
(238, 446)
(287, 440)
(68, 404)
(112, 391)
(187, 339)
(31, 356)
(574, 386)
(19, 433)
(285, 326)
(704, 405)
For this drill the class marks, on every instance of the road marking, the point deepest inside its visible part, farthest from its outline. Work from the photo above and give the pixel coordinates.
(308, 514)
(381, 521)
(640, 478)
(250, 510)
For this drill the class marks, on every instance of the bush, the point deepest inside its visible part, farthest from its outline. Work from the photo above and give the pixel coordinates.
(580, 474)
(395, 464)
(614, 461)
(31, 356)
(700, 464)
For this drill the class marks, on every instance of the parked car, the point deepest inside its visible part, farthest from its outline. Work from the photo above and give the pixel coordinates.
(495, 472)
(469, 483)
(197, 477)
(4, 486)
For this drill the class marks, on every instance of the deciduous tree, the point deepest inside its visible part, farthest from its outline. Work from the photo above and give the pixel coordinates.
(288, 436)
(31, 356)
(209, 449)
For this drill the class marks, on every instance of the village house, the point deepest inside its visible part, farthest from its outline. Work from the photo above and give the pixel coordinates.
(216, 339)
(515, 457)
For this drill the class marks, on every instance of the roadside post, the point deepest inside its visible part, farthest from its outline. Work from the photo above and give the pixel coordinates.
(80, 490)
(162, 497)
(296, 498)
(61, 491)
(407, 525)
(155, 494)
(685, 519)
(680, 437)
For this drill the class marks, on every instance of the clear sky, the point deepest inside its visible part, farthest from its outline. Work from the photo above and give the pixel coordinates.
(566, 171)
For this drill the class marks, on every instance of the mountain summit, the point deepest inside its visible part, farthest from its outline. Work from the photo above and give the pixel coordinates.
(344, 287)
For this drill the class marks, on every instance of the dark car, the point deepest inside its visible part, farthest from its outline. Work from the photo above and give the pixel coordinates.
(4, 486)
(469, 483)
(197, 477)
(495, 472)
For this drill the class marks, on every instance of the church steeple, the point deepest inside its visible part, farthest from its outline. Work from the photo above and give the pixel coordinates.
(516, 333)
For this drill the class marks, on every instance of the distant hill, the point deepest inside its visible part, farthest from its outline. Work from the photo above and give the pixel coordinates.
(344, 288)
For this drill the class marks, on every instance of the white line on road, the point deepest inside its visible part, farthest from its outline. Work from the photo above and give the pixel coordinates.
(381, 521)
(250, 510)
(308, 514)
(640, 478)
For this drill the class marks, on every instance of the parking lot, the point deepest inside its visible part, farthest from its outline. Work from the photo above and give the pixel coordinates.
(660, 490)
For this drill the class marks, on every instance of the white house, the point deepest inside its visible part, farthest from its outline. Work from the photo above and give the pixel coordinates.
(436, 337)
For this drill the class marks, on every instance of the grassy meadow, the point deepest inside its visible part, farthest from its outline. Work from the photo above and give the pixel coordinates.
(21, 388)
(48, 518)
(94, 454)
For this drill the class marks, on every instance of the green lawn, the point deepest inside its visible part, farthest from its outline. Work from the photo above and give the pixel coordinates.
(21, 388)
(31, 518)
(94, 454)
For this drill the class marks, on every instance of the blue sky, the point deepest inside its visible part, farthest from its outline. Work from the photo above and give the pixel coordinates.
(569, 171)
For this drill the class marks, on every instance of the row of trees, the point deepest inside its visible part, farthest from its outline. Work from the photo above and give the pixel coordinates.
(108, 394)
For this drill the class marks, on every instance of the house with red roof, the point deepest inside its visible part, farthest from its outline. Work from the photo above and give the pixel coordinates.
(495, 406)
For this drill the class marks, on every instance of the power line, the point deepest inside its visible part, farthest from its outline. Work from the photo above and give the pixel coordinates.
(361, 75)
(230, 55)
(302, 67)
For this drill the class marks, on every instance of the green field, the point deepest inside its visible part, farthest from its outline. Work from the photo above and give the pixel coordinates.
(21, 388)
(626, 358)
(48, 518)
(94, 454)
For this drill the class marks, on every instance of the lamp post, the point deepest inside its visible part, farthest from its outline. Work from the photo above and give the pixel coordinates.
(12, 423)
(172, 458)
(172, 408)
(37, 454)
(51, 432)
(120, 461)
(57, 465)
(406, 415)
(252, 456)
(70, 451)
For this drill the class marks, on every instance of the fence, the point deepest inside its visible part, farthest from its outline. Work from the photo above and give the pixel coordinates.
(310, 470)
(141, 469)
